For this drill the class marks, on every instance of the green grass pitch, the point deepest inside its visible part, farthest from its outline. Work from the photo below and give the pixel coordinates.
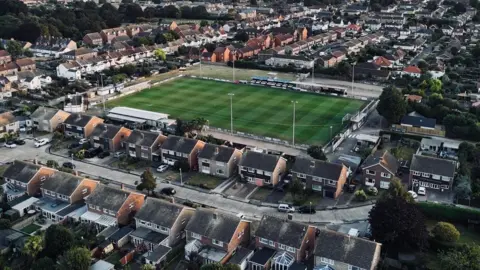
(256, 109)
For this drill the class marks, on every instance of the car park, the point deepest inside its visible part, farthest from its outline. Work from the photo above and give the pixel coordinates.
(286, 208)
(42, 142)
(422, 191)
(10, 144)
(168, 191)
(162, 168)
(69, 165)
(307, 209)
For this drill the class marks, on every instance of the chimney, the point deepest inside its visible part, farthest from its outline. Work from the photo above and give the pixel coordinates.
(215, 216)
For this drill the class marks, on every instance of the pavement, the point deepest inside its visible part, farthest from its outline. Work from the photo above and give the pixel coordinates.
(336, 216)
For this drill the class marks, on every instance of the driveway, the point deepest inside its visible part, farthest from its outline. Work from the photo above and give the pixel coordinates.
(29, 152)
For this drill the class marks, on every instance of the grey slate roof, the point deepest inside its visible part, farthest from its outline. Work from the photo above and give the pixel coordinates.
(213, 224)
(240, 254)
(384, 158)
(179, 144)
(426, 164)
(142, 138)
(216, 152)
(120, 233)
(317, 168)
(159, 212)
(351, 250)
(44, 113)
(21, 171)
(149, 235)
(108, 131)
(279, 230)
(76, 119)
(262, 256)
(107, 197)
(158, 253)
(259, 161)
(62, 182)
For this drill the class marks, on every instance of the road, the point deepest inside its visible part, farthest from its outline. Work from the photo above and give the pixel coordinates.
(29, 152)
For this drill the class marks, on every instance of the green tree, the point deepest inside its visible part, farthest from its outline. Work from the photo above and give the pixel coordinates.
(463, 187)
(44, 263)
(5, 224)
(316, 152)
(33, 246)
(396, 189)
(360, 195)
(204, 23)
(392, 105)
(14, 48)
(445, 232)
(160, 54)
(57, 240)
(212, 266)
(148, 267)
(463, 257)
(296, 188)
(77, 258)
(52, 164)
(148, 181)
(435, 85)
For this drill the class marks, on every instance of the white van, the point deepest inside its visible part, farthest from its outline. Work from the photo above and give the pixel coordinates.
(286, 208)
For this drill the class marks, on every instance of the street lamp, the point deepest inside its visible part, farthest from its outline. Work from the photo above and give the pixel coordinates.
(231, 111)
(293, 131)
(181, 178)
(331, 132)
(310, 212)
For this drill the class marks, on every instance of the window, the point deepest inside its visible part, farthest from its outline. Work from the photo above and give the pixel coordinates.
(316, 187)
(281, 246)
(259, 172)
(267, 181)
(267, 173)
(263, 241)
(68, 126)
(384, 184)
(47, 192)
(185, 155)
(351, 267)
(196, 236)
(131, 205)
(43, 178)
(251, 170)
(91, 206)
(290, 249)
(79, 128)
(142, 222)
(163, 229)
(386, 175)
(131, 145)
(221, 172)
(144, 155)
(301, 175)
(250, 179)
(221, 164)
(317, 179)
(111, 212)
(436, 176)
(417, 173)
(96, 138)
(217, 243)
(426, 175)
(53, 193)
(327, 261)
(183, 221)
(105, 210)
(84, 191)
(271, 243)
(371, 172)
(145, 147)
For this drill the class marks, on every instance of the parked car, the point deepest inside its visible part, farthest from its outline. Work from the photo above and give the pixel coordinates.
(168, 191)
(42, 142)
(73, 145)
(119, 154)
(10, 144)
(82, 141)
(69, 165)
(162, 168)
(422, 191)
(414, 195)
(92, 152)
(19, 142)
(103, 154)
(286, 208)
(307, 209)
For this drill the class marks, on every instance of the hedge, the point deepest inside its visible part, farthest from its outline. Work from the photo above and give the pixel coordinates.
(448, 212)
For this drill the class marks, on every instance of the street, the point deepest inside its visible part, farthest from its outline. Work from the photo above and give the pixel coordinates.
(29, 152)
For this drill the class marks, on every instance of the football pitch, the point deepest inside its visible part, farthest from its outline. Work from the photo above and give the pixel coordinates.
(256, 110)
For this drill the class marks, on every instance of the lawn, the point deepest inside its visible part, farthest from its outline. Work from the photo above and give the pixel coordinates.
(467, 236)
(403, 152)
(261, 194)
(30, 228)
(256, 109)
(204, 181)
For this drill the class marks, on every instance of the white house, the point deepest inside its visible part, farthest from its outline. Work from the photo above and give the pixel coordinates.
(69, 70)
(29, 80)
(285, 60)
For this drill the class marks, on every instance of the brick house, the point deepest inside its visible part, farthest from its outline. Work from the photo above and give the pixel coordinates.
(109, 137)
(379, 169)
(48, 119)
(261, 169)
(4, 57)
(109, 34)
(222, 54)
(144, 144)
(219, 160)
(25, 64)
(80, 126)
(432, 173)
(93, 39)
(327, 61)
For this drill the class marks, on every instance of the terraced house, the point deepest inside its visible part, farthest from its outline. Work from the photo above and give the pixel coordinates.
(181, 149)
(262, 169)
(48, 119)
(432, 173)
(218, 160)
(80, 126)
(109, 137)
(321, 176)
(144, 144)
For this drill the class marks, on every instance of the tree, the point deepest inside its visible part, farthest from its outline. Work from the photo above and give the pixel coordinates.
(445, 232)
(52, 164)
(435, 85)
(77, 258)
(148, 181)
(44, 263)
(242, 36)
(57, 240)
(398, 224)
(148, 267)
(296, 188)
(392, 105)
(33, 246)
(212, 266)
(5, 224)
(316, 152)
(160, 54)
(462, 188)
(360, 195)
(160, 39)
(396, 189)
(14, 48)
(179, 128)
(462, 257)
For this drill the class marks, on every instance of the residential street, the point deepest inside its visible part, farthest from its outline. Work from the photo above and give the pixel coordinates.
(29, 152)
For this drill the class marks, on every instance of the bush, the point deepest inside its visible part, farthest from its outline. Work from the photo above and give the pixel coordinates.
(360, 195)
(448, 212)
(372, 191)
(446, 232)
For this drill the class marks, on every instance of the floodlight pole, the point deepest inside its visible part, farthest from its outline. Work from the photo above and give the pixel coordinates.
(331, 132)
(231, 112)
(293, 131)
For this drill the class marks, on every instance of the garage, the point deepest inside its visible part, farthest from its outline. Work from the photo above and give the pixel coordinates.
(329, 194)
